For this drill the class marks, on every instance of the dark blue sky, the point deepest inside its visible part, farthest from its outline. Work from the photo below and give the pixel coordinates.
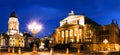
(50, 12)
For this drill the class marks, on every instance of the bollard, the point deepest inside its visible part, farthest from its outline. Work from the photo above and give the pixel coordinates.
(13, 50)
(67, 51)
(78, 50)
(51, 51)
(19, 50)
(8, 49)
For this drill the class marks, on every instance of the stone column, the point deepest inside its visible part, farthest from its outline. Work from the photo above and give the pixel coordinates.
(73, 35)
(78, 36)
(68, 36)
(59, 37)
(64, 36)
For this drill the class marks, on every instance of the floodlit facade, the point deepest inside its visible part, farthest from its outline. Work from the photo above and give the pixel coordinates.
(2, 41)
(80, 30)
(107, 38)
(16, 39)
(13, 24)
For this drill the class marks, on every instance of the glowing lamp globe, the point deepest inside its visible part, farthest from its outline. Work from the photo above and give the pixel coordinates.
(34, 27)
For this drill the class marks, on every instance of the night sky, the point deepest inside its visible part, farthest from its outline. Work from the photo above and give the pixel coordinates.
(50, 12)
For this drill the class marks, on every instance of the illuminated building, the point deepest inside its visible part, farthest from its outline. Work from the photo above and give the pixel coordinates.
(80, 30)
(13, 37)
(13, 24)
(107, 38)
(2, 41)
(16, 39)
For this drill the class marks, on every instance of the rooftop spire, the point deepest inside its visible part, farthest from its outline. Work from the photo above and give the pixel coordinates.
(116, 22)
(72, 13)
(13, 14)
(113, 21)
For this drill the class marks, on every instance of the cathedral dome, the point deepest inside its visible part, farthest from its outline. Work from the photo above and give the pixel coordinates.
(13, 14)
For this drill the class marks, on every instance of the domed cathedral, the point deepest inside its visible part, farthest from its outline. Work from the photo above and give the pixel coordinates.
(16, 39)
(13, 24)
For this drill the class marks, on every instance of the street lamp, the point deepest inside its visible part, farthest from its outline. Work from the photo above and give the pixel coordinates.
(105, 41)
(34, 28)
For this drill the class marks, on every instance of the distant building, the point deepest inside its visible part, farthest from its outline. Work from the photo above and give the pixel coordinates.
(80, 30)
(2, 41)
(107, 37)
(28, 39)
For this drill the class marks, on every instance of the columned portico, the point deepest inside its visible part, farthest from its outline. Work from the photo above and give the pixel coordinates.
(70, 35)
(79, 29)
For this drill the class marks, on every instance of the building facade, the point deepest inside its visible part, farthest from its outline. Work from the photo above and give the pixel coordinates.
(79, 29)
(13, 24)
(107, 38)
(2, 41)
(16, 38)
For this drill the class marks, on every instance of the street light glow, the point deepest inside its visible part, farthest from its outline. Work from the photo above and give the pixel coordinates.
(34, 27)
(105, 41)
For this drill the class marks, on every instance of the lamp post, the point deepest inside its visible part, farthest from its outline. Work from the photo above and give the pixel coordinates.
(34, 28)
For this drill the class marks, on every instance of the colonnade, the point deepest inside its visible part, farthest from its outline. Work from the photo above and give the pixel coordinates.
(69, 35)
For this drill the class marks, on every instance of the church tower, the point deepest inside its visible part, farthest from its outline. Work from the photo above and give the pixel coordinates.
(13, 24)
